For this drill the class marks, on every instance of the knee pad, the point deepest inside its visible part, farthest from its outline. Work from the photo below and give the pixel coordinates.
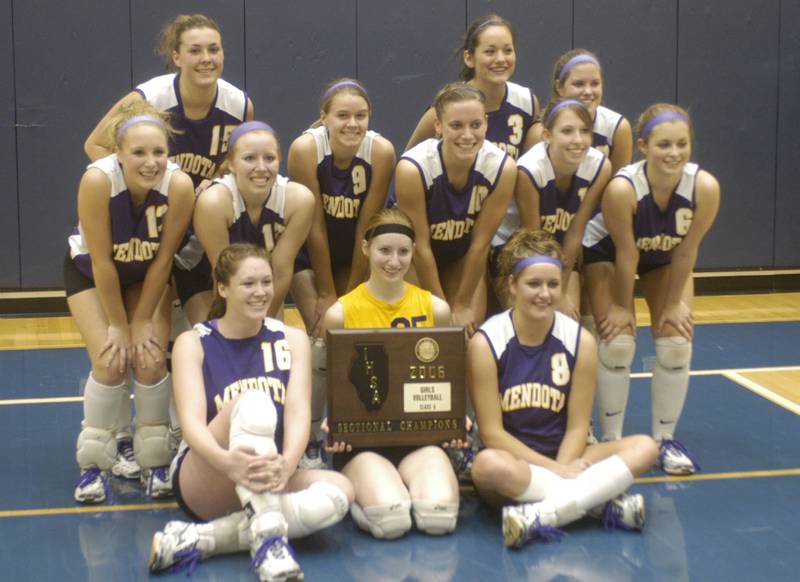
(102, 405)
(152, 402)
(97, 447)
(435, 517)
(618, 353)
(673, 353)
(253, 422)
(151, 446)
(383, 521)
(315, 508)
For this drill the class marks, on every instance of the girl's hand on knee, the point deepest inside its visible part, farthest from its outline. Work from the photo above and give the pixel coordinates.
(678, 316)
(147, 347)
(616, 321)
(116, 350)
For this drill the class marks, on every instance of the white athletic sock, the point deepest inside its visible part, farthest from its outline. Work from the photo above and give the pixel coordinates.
(225, 535)
(597, 484)
(668, 390)
(543, 483)
(123, 428)
(613, 386)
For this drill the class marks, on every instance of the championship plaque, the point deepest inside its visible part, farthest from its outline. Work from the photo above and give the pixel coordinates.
(397, 386)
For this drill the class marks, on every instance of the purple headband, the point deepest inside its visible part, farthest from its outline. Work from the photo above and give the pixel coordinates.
(247, 127)
(576, 60)
(335, 86)
(561, 105)
(488, 23)
(139, 119)
(535, 259)
(661, 118)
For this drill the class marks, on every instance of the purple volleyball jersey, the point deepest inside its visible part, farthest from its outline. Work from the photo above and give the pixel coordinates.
(233, 366)
(656, 232)
(556, 208)
(508, 125)
(451, 213)
(199, 145)
(534, 381)
(343, 191)
(135, 229)
(271, 224)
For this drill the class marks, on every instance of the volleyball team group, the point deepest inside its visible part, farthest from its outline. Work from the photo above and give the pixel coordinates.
(525, 224)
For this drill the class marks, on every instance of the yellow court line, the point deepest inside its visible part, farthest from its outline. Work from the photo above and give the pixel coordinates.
(757, 388)
(463, 488)
(86, 509)
(719, 476)
(58, 400)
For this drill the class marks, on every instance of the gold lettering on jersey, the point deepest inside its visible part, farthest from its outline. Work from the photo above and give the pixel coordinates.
(195, 165)
(558, 222)
(340, 206)
(135, 250)
(533, 395)
(451, 229)
(478, 195)
(511, 150)
(267, 384)
(660, 242)
(604, 149)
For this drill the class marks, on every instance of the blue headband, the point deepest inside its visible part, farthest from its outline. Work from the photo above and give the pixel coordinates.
(661, 118)
(561, 105)
(335, 86)
(247, 127)
(576, 60)
(139, 119)
(534, 260)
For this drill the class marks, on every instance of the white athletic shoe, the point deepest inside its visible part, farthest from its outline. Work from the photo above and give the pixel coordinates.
(314, 456)
(157, 482)
(126, 465)
(523, 522)
(675, 459)
(625, 511)
(92, 486)
(274, 561)
(176, 547)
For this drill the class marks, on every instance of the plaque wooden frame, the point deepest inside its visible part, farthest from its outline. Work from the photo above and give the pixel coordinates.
(423, 400)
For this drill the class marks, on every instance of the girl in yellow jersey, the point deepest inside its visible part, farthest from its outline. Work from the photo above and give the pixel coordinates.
(420, 481)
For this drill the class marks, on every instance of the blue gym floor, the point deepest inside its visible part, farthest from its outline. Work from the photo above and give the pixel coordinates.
(739, 519)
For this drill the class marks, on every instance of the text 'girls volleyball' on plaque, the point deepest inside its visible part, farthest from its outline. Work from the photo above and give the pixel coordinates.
(396, 387)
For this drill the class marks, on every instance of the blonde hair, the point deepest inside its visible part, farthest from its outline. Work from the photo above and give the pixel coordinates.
(527, 242)
(456, 93)
(342, 85)
(657, 109)
(563, 60)
(573, 105)
(387, 216)
(228, 264)
(131, 110)
(225, 166)
(170, 37)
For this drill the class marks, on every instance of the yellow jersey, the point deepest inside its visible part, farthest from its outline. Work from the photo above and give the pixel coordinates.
(363, 310)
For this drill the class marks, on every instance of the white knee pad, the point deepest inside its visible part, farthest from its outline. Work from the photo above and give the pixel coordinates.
(673, 353)
(97, 447)
(435, 517)
(253, 422)
(151, 446)
(152, 402)
(102, 404)
(618, 353)
(383, 521)
(315, 508)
